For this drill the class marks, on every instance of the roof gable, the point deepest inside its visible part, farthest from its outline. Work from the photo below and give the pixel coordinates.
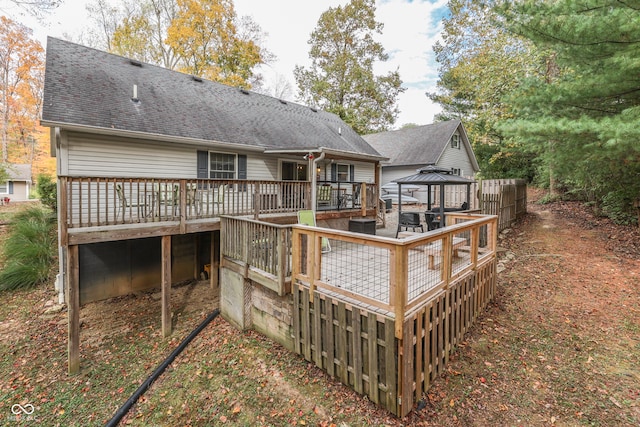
(419, 145)
(85, 87)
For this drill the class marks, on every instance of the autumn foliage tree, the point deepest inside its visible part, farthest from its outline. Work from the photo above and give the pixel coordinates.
(204, 38)
(21, 85)
(204, 34)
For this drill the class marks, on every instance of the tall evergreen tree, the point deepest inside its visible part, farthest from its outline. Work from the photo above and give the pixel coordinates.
(341, 79)
(584, 113)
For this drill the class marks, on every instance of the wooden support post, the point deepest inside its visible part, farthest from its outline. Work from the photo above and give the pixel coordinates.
(73, 295)
(314, 252)
(363, 200)
(398, 288)
(475, 246)
(166, 286)
(214, 263)
(282, 254)
(183, 206)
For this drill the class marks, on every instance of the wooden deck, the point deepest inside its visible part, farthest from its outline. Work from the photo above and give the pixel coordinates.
(386, 288)
(382, 314)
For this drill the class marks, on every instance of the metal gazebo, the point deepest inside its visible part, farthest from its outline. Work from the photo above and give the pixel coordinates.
(432, 175)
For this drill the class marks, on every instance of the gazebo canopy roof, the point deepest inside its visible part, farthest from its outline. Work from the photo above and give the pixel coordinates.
(433, 175)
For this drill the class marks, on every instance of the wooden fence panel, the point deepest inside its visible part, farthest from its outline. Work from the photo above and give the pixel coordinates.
(351, 344)
(359, 347)
(506, 198)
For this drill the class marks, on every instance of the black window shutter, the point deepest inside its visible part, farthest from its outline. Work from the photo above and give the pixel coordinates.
(242, 166)
(203, 164)
(352, 173)
(334, 172)
(10, 187)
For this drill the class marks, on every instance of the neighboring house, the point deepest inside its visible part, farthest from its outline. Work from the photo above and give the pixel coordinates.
(443, 144)
(18, 184)
(121, 127)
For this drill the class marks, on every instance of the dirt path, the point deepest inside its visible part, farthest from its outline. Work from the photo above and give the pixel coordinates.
(560, 345)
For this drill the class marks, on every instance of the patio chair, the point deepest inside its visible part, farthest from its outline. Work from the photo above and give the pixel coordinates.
(125, 203)
(356, 200)
(432, 218)
(324, 195)
(309, 218)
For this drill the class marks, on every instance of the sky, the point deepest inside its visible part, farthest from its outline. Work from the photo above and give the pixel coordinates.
(411, 28)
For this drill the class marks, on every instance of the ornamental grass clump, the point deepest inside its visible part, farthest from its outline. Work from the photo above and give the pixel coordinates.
(29, 250)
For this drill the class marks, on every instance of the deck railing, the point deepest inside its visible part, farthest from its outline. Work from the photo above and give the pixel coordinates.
(258, 249)
(390, 275)
(381, 314)
(97, 201)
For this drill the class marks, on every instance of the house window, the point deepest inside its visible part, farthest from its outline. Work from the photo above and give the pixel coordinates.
(455, 141)
(4, 188)
(222, 165)
(342, 172)
(455, 171)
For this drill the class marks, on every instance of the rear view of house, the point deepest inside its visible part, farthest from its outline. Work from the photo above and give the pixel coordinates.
(149, 159)
(165, 177)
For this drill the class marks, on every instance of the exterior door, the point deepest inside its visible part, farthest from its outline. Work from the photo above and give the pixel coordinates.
(292, 195)
(293, 171)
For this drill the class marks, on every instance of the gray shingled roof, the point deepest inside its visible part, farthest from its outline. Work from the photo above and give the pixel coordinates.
(18, 172)
(419, 145)
(90, 88)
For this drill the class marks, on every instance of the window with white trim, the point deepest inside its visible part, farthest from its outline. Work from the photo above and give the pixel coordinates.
(4, 187)
(455, 141)
(222, 165)
(455, 171)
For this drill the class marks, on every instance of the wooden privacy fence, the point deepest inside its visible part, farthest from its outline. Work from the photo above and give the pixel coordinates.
(383, 315)
(506, 198)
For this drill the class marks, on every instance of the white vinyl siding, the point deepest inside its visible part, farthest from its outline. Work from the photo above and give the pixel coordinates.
(262, 169)
(456, 158)
(390, 174)
(95, 155)
(365, 172)
(102, 156)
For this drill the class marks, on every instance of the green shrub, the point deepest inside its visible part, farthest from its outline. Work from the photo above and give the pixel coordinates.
(30, 249)
(46, 187)
(618, 207)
